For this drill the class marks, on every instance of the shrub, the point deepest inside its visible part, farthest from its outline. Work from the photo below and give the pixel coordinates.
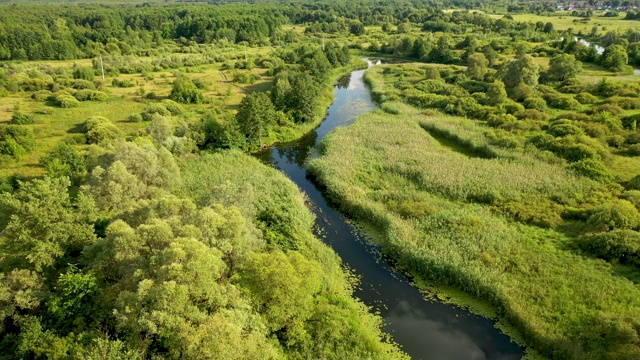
(532, 114)
(66, 101)
(80, 84)
(185, 91)
(572, 86)
(634, 184)
(596, 131)
(19, 118)
(612, 109)
(99, 129)
(633, 138)
(501, 120)
(592, 169)
(626, 103)
(564, 102)
(615, 141)
(512, 107)
(634, 150)
(617, 245)
(632, 196)
(502, 139)
(618, 215)
(173, 107)
(64, 160)
(574, 116)
(16, 140)
(630, 122)
(543, 213)
(122, 83)
(86, 94)
(563, 129)
(42, 95)
(154, 108)
(135, 117)
(244, 78)
(586, 98)
(83, 72)
(536, 103)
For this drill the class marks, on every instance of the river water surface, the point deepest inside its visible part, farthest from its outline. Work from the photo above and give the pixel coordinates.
(424, 329)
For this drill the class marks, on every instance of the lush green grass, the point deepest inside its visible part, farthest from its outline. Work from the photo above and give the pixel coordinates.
(386, 170)
(497, 223)
(564, 21)
(222, 93)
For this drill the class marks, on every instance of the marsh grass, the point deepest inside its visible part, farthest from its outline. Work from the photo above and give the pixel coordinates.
(490, 227)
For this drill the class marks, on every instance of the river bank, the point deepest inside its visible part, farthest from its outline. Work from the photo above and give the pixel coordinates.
(424, 329)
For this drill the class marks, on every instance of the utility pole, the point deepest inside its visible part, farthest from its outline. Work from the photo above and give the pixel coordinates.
(246, 59)
(102, 67)
(322, 42)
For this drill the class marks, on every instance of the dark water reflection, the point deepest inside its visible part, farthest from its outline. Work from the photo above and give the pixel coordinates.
(425, 329)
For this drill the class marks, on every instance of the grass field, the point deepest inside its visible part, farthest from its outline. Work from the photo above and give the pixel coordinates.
(459, 213)
(386, 170)
(54, 124)
(564, 21)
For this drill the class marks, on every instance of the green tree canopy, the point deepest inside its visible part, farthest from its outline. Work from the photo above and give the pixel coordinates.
(477, 66)
(563, 67)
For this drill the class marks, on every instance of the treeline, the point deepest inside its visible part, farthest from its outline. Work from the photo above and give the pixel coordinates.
(63, 32)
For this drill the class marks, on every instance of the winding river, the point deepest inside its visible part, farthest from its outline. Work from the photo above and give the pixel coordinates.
(424, 329)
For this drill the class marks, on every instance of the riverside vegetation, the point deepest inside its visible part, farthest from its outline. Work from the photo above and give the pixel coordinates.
(134, 225)
(518, 207)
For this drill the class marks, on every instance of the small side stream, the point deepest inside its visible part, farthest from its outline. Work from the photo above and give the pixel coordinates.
(425, 329)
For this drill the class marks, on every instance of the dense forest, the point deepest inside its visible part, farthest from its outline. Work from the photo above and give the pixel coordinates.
(134, 222)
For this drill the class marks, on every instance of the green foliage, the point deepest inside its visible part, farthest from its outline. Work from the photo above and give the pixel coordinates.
(185, 91)
(521, 71)
(477, 66)
(296, 93)
(560, 101)
(99, 129)
(586, 98)
(16, 140)
(122, 83)
(256, 115)
(244, 78)
(41, 95)
(497, 93)
(615, 58)
(18, 118)
(618, 215)
(80, 84)
(92, 95)
(282, 286)
(74, 300)
(83, 72)
(65, 101)
(45, 224)
(593, 169)
(617, 245)
(563, 67)
(64, 160)
(173, 107)
(154, 109)
(473, 235)
(536, 103)
(135, 118)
